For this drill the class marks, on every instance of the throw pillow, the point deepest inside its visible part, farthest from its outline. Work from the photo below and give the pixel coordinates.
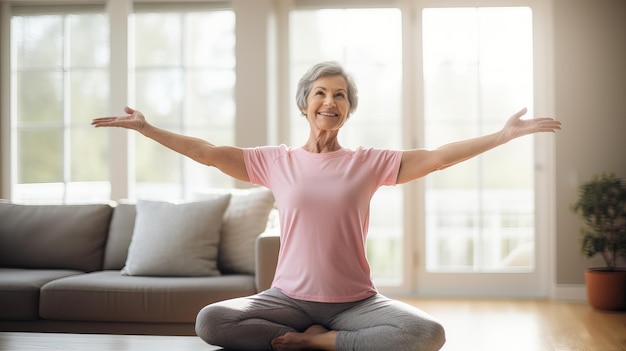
(176, 239)
(246, 217)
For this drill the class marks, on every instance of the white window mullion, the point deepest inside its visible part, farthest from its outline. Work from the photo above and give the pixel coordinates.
(120, 152)
(67, 154)
(186, 188)
(8, 163)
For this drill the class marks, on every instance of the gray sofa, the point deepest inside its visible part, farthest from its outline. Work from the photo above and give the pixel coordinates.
(87, 269)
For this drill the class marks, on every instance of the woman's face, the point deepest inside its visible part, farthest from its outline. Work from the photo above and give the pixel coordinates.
(327, 103)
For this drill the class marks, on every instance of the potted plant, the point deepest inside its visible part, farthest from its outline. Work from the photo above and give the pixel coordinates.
(602, 206)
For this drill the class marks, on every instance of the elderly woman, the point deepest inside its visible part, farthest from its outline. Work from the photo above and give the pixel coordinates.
(322, 296)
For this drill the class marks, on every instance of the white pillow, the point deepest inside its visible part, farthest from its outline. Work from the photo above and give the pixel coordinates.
(246, 217)
(176, 240)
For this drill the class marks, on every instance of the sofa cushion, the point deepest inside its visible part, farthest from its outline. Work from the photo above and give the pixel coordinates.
(19, 291)
(176, 239)
(246, 217)
(53, 236)
(110, 296)
(120, 235)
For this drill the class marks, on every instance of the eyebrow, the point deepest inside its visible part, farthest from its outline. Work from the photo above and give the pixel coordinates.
(324, 88)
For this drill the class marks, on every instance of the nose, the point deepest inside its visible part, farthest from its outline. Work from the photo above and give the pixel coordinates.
(329, 101)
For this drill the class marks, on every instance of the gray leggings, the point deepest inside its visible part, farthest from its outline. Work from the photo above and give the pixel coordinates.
(376, 323)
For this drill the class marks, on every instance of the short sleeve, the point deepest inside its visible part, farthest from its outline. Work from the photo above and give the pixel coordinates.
(259, 162)
(395, 160)
(384, 163)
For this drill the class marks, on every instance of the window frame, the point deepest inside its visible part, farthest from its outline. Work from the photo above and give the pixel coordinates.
(121, 167)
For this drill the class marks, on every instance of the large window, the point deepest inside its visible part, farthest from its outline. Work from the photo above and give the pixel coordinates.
(59, 83)
(182, 68)
(373, 55)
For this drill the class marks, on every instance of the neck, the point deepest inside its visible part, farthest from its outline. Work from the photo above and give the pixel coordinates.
(322, 142)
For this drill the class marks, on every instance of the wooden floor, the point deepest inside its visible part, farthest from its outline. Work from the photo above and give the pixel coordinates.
(481, 325)
(529, 325)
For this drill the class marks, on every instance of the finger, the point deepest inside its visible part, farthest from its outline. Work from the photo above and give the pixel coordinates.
(129, 110)
(548, 122)
(554, 124)
(103, 121)
(549, 125)
(545, 119)
(520, 113)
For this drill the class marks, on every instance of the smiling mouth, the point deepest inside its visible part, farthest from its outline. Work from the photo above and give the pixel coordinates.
(327, 114)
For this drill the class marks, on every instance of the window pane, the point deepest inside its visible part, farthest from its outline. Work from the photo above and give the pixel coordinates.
(39, 41)
(89, 156)
(210, 40)
(89, 40)
(184, 83)
(210, 92)
(40, 156)
(373, 54)
(159, 92)
(154, 165)
(158, 39)
(479, 214)
(89, 95)
(40, 97)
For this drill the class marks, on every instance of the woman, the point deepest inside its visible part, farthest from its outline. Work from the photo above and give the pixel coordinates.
(322, 296)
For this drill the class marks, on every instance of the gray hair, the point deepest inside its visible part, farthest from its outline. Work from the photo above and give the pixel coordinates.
(325, 69)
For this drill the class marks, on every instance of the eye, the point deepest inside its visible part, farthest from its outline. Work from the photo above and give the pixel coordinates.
(319, 92)
(340, 95)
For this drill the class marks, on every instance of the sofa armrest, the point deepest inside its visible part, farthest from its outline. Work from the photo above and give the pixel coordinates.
(266, 257)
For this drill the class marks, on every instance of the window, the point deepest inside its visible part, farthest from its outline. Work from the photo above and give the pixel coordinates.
(183, 74)
(373, 55)
(60, 82)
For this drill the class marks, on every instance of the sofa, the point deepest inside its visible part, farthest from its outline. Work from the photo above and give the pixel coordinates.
(144, 267)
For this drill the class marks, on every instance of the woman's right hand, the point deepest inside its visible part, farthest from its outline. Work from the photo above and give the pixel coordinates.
(227, 159)
(133, 120)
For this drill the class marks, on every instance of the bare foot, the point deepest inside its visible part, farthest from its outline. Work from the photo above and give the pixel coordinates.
(316, 337)
(316, 329)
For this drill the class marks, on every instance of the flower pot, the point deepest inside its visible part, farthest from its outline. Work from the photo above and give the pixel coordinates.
(606, 290)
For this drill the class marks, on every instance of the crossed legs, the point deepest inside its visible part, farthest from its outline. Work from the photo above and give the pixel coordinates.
(272, 321)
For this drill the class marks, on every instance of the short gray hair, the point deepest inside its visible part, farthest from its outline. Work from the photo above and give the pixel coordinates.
(325, 69)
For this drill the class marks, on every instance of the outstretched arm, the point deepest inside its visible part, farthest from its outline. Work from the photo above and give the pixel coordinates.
(420, 162)
(228, 159)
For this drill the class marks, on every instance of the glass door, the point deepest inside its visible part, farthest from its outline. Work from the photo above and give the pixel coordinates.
(479, 216)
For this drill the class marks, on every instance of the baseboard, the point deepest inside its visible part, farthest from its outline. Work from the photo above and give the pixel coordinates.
(569, 292)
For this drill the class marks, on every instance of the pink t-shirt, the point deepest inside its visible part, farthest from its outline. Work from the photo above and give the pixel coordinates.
(323, 203)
